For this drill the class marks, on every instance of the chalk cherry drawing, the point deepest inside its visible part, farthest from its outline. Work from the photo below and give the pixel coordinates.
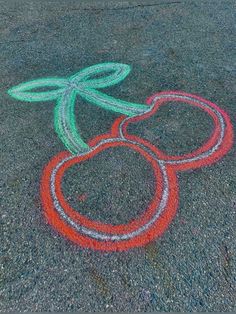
(162, 208)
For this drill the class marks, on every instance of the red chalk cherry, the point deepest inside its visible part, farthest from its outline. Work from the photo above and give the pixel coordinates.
(213, 149)
(96, 235)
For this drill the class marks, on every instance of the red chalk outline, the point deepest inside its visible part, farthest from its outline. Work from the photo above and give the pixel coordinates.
(225, 146)
(161, 224)
(63, 227)
(97, 225)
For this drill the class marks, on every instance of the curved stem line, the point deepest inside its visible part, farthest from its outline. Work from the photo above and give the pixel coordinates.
(110, 103)
(65, 123)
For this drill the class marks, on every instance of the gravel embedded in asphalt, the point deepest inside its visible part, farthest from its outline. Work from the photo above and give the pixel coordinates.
(171, 45)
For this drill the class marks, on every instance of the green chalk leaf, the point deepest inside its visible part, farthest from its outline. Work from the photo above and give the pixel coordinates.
(25, 91)
(113, 74)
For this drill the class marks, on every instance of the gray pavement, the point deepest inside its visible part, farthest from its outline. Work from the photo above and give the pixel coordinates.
(171, 45)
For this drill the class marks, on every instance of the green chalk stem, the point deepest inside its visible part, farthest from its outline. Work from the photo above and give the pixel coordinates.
(65, 123)
(110, 103)
(84, 83)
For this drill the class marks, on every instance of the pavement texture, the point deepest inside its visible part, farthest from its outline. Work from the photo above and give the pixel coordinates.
(171, 45)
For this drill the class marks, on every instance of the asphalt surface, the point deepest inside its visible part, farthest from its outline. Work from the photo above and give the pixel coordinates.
(171, 45)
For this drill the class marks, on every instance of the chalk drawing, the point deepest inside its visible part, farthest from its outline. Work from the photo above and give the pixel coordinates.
(162, 208)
